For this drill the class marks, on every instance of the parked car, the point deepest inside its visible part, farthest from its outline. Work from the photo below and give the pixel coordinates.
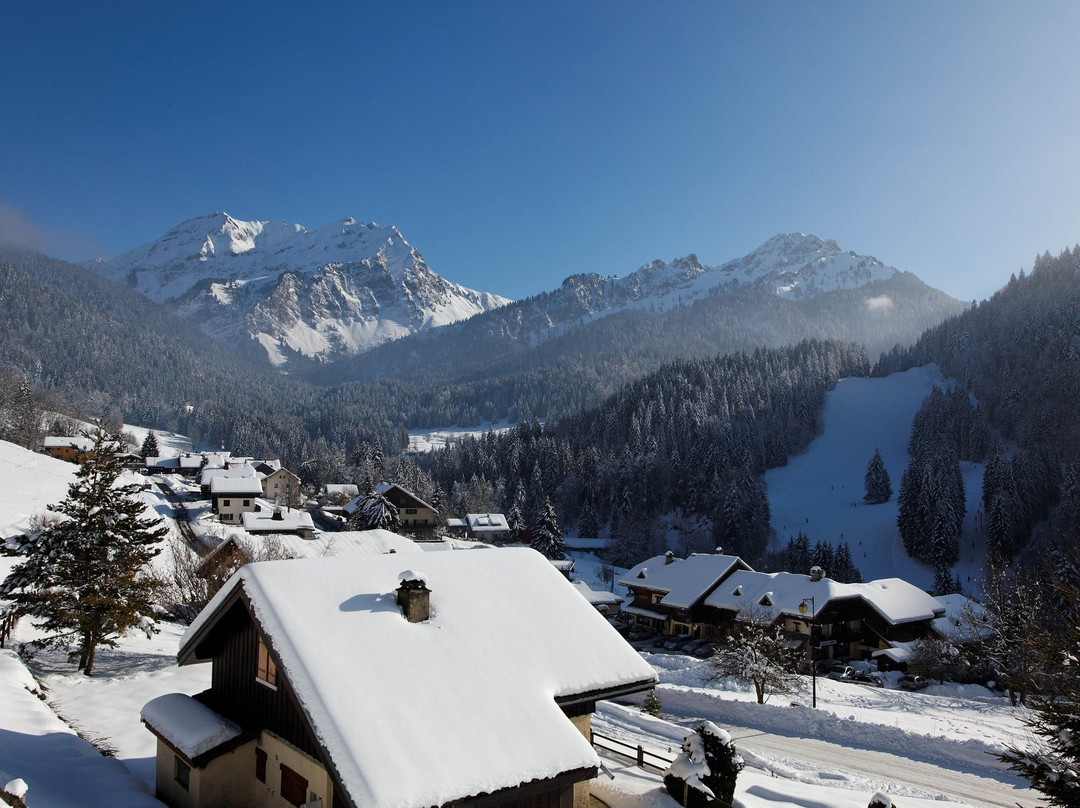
(705, 650)
(845, 672)
(690, 647)
(870, 679)
(827, 666)
(911, 681)
(677, 642)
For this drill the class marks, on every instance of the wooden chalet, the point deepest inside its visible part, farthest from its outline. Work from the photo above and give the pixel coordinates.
(669, 592)
(333, 685)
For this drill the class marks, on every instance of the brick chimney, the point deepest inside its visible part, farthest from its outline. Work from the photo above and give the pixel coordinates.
(413, 596)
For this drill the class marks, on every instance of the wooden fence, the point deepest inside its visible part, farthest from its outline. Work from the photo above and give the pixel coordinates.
(644, 758)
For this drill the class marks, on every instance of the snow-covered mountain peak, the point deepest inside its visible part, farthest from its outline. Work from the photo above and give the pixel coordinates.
(334, 290)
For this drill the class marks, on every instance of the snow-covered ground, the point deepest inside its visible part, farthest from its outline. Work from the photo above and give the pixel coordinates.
(820, 491)
(919, 748)
(427, 440)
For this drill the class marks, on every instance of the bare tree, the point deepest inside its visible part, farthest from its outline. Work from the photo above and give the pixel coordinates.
(761, 653)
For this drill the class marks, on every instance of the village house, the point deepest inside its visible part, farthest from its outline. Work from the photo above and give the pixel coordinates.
(668, 592)
(488, 527)
(876, 620)
(279, 484)
(415, 515)
(72, 449)
(232, 496)
(332, 685)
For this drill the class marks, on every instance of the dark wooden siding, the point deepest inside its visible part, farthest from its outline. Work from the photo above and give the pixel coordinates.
(237, 694)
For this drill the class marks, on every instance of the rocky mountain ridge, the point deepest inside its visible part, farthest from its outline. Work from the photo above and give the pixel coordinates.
(326, 293)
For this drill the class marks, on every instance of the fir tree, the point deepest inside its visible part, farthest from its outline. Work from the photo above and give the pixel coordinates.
(374, 511)
(85, 576)
(546, 535)
(149, 446)
(515, 525)
(587, 523)
(878, 484)
(651, 703)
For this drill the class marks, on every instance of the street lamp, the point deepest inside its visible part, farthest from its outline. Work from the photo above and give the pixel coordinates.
(813, 668)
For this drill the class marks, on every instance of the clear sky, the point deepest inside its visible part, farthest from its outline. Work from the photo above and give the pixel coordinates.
(515, 144)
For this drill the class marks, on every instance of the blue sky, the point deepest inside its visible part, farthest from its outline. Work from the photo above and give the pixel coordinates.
(515, 144)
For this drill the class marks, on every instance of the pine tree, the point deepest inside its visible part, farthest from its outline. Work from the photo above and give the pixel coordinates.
(651, 703)
(149, 446)
(373, 512)
(546, 535)
(877, 482)
(587, 523)
(84, 577)
(515, 525)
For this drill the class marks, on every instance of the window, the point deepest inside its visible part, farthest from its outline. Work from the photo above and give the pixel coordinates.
(293, 786)
(260, 765)
(247, 503)
(410, 510)
(224, 503)
(182, 772)
(267, 670)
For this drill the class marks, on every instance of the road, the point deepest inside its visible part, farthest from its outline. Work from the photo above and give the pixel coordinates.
(984, 785)
(180, 515)
(960, 786)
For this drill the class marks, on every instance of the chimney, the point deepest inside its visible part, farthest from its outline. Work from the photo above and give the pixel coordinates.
(816, 573)
(413, 596)
(669, 557)
(719, 550)
(277, 515)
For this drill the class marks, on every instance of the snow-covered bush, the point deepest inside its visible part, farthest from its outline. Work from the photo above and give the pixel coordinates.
(705, 773)
(880, 800)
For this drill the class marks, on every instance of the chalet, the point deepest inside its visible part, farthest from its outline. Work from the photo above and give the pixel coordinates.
(669, 593)
(232, 496)
(72, 449)
(279, 484)
(489, 527)
(415, 515)
(330, 686)
(288, 521)
(189, 464)
(234, 470)
(846, 621)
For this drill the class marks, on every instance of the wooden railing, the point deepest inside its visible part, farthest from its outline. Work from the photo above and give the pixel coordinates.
(644, 758)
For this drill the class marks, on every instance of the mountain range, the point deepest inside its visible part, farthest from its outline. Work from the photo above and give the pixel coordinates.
(344, 289)
(326, 293)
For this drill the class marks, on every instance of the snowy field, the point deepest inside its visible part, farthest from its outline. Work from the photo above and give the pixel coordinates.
(427, 440)
(820, 491)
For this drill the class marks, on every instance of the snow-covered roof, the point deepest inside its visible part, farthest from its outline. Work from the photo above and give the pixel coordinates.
(235, 485)
(964, 618)
(379, 690)
(235, 471)
(779, 593)
(685, 581)
(487, 522)
(189, 725)
(289, 521)
(597, 597)
(158, 462)
(382, 488)
(341, 489)
(83, 444)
